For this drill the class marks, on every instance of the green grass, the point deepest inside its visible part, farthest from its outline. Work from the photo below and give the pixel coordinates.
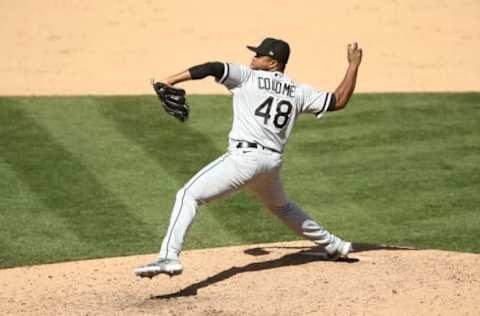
(86, 177)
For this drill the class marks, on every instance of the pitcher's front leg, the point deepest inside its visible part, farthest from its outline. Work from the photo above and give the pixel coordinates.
(269, 189)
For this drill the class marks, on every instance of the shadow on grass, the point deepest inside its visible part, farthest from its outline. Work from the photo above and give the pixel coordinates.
(293, 259)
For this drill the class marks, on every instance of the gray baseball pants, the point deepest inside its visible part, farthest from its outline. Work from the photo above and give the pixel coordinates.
(255, 170)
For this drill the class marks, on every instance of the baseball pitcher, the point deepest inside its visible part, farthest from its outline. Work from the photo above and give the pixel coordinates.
(266, 104)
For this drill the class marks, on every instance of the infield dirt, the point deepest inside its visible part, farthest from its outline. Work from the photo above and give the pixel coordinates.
(115, 47)
(268, 279)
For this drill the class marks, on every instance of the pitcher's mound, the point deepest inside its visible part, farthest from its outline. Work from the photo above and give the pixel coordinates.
(270, 279)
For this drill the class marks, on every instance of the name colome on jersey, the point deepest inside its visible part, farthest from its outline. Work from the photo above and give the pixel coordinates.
(279, 87)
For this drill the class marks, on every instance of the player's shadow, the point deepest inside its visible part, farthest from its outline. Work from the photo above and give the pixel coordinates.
(293, 259)
(305, 255)
(361, 247)
(357, 247)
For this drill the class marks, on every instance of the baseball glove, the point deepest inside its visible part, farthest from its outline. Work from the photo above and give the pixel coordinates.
(172, 99)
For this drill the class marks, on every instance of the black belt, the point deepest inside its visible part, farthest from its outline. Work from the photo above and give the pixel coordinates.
(245, 144)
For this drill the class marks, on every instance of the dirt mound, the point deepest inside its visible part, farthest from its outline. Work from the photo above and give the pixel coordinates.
(268, 279)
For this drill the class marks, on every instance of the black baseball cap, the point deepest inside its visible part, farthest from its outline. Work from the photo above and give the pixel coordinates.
(274, 48)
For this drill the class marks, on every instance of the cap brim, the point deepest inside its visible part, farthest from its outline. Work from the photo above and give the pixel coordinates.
(253, 48)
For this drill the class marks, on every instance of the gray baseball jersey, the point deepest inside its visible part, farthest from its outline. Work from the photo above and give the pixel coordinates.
(266, 104)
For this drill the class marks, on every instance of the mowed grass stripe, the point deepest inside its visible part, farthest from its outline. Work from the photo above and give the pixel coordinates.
(392, 168)
(121, 166)
(17, 243)
(101, 225)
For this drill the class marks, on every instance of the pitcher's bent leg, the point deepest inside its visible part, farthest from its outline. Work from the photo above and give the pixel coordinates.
(304, 225)
(269, 189)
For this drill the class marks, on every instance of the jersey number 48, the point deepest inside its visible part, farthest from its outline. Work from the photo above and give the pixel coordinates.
(283, 109)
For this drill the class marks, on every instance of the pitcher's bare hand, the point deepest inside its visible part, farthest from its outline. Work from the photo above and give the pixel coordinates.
(354, 54)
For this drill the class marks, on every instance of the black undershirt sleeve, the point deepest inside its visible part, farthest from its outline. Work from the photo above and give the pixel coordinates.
(215, 69)
(333, 103)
